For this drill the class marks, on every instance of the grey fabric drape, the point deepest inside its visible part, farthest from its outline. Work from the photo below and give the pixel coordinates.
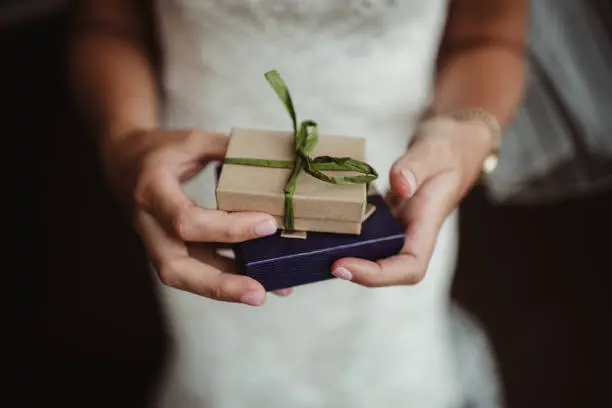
(560, 143)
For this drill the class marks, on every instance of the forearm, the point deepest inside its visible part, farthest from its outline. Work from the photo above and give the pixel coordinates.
(490, 79)
(112, 73)
(481, 61)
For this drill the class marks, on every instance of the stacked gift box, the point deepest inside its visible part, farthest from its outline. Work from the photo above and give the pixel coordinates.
(319, 190)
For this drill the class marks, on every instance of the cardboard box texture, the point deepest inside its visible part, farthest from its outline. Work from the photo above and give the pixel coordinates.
(319, 206)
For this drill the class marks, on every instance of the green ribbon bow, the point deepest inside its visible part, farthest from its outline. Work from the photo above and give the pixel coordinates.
(306, 138)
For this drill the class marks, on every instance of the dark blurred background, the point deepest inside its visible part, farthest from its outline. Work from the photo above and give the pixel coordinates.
(80, 319)
(81, 325)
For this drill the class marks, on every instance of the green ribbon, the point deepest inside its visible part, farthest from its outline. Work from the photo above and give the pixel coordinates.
(306, 138)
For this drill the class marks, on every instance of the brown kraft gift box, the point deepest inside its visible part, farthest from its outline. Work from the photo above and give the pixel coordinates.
(319, 206)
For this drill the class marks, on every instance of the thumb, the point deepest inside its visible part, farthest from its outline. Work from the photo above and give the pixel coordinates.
(425, 158)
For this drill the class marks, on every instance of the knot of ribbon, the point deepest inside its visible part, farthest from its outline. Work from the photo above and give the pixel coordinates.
(306, 138)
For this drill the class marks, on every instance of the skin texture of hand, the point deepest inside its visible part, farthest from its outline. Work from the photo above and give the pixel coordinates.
(441, 164)
(146, 170)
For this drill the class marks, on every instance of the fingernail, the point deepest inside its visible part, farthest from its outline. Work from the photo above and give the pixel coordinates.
(342, 273)
(410, 180)
(252, 298)
(265, 228)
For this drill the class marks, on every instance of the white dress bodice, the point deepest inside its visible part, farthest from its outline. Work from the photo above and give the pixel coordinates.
(361, 68)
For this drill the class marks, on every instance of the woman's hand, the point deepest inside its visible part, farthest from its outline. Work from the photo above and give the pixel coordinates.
(442, 163)
(146, 169)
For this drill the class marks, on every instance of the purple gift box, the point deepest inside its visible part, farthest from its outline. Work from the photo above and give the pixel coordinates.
(278, 262)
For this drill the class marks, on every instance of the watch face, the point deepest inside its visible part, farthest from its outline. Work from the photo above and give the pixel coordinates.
(490, 164)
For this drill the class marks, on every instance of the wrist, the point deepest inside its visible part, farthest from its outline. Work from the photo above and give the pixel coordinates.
(483, 131)
(118, 132)
(120, 143)
(481, 145)
(120, 148)
(474, 139)
(476, 146)
(491, 125)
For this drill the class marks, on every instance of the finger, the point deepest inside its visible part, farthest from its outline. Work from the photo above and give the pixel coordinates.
(283, 292)
(186, 273)
(209, 255)
(210, 276)
(198, 224)
(164, 198)
(426, 157)
(423, 215)
(158, 243)
(402, 269)
(392, 199)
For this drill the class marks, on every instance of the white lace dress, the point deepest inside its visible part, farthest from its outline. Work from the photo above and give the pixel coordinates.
(361, 68)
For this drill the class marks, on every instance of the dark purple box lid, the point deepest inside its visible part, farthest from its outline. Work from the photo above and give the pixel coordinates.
(278, 262)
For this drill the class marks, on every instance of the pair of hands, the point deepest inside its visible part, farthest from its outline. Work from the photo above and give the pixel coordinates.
(146, 170)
